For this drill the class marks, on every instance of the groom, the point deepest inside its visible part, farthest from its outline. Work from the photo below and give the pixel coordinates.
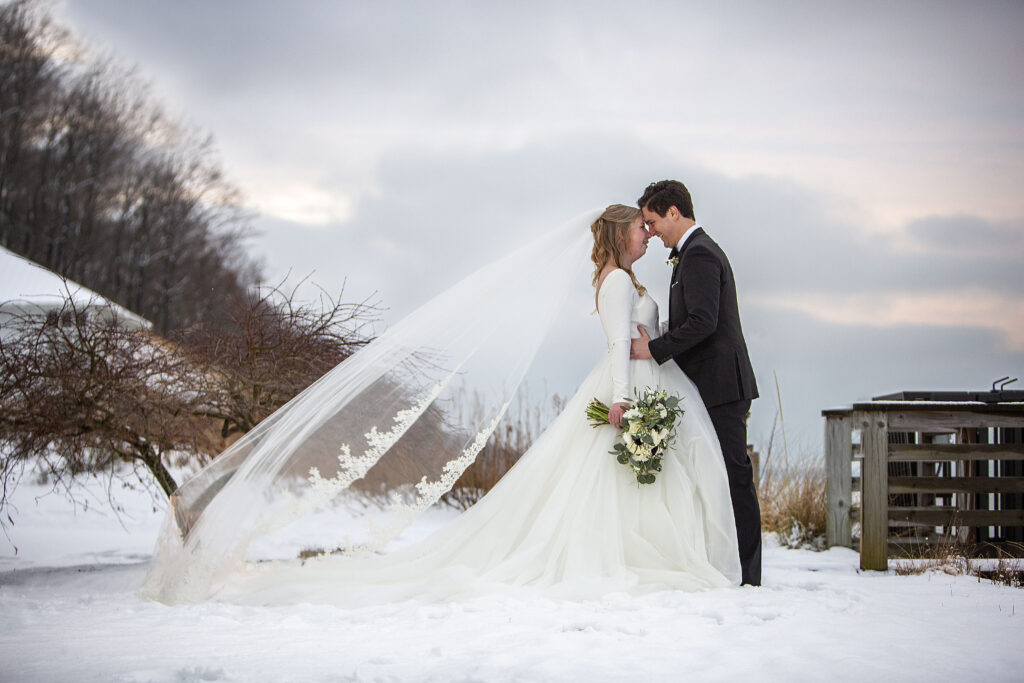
(705, 339)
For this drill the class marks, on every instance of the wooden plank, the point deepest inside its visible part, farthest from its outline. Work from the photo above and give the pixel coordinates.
(907, 550)
(956, 484)
(962, 502)
(921, 536)
(1007, 408)
(940, 545)
(874, 494)
(958, 451)
(900, 524)
(838, 455)
(953, 517)
(948, 420)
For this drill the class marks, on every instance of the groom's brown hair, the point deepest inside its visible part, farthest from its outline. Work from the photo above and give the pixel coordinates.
(665, 193)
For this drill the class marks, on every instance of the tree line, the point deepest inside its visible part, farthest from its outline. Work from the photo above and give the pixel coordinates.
(99, 185)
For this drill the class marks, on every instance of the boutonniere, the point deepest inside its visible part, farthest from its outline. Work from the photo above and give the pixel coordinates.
(674, 261)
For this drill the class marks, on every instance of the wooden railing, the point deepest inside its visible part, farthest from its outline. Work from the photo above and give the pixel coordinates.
(926, 474)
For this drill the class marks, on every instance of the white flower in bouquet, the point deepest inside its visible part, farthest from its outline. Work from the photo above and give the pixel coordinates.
(648, 429)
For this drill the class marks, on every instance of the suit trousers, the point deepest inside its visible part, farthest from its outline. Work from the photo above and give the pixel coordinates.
(730, 421)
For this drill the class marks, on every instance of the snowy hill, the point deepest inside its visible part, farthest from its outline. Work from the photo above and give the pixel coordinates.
(26, 288)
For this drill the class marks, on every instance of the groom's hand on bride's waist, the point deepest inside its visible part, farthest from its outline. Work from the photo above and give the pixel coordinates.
(638, 348)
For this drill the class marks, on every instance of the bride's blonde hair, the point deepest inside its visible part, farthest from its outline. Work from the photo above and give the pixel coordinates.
(609, 232)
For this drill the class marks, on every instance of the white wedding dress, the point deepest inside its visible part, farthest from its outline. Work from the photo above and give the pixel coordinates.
(567, 520)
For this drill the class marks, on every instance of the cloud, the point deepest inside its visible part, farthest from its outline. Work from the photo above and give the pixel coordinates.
(966, 236)
(872, 96)
(784, 237)
(300, 203)
(973, 308)
(436, 215)
(822, 365)
(856, 165)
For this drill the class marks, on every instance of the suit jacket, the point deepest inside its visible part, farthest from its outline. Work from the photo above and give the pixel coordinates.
(704, 336)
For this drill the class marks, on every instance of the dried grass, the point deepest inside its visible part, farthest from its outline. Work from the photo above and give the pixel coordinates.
(964, 559)
(1008, 571)
(792, 498)
(507, 444)
(792, 495)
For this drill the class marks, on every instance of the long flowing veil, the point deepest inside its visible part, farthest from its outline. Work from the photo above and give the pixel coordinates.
(379, 438)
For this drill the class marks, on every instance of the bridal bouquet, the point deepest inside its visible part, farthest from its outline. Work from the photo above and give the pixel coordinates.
(648, 428)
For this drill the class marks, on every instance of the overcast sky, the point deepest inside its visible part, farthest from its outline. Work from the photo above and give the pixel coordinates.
(861, 163)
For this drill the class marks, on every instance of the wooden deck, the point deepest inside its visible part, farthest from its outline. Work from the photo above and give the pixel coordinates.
(929, 471)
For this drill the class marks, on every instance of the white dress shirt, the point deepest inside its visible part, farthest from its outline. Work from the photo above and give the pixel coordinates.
(663, 326)
(686, 235)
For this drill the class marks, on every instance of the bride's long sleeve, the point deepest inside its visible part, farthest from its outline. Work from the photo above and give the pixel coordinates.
(615, 306)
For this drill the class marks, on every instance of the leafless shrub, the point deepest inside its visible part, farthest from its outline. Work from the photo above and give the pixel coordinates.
(270, 348)
(82, 394)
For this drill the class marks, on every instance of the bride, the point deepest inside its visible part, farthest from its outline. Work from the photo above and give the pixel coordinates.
(567, 519)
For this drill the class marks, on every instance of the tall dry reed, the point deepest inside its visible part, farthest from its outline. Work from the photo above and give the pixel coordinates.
(792, 500)
(510, 440)
(792, 494)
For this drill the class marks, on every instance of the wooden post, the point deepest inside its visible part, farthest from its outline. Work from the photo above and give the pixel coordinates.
(874, 489)
(838, 456)
(755, 463)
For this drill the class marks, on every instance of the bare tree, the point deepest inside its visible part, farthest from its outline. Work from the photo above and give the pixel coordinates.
(273, 347)
(29, 85)
(82, 394)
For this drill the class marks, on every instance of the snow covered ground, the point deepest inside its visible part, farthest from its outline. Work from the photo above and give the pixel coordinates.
(70, 612)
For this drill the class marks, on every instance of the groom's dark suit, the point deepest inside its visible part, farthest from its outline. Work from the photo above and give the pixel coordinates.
(705, 339)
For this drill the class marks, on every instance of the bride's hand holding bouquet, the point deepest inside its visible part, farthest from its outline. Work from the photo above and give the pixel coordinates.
(648, 429)
(615, 413)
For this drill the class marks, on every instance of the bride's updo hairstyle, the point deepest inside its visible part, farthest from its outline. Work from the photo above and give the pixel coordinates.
(609, 232)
